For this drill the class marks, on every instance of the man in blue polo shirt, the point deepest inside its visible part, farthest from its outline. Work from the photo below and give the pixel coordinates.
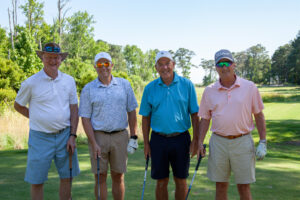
(166, 107)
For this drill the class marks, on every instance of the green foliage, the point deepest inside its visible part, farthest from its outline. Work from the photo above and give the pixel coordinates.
(79, 37)
(134, 59)
(11, 75)
(3, 43)
(293, 61)
(24, 53)
(118, 58)
(183, 61)
(210, 71)
(7, 97)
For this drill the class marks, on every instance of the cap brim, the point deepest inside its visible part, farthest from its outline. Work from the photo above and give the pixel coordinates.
(63, 55)
(223, 58)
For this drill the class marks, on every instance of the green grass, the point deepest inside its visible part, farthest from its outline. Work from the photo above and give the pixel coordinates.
(278, 175)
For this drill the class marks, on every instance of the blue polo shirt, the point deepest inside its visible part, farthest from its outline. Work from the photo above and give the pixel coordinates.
(169, 106)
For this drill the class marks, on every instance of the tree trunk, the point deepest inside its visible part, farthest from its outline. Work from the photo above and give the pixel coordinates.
(11, 34)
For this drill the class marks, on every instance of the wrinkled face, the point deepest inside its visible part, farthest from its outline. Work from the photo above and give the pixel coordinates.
(165, 68)
(103, 68)
(226, 72)
(51, 61)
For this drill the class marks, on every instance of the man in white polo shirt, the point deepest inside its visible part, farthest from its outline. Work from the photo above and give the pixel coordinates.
(53, 120)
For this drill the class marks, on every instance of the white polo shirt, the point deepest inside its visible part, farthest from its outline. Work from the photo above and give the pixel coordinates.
(49, 101)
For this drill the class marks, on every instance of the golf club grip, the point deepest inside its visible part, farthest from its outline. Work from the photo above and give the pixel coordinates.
(147, 161)
(200, 158)
(70, 160)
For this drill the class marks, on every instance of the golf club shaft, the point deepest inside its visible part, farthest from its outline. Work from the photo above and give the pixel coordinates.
(197, 166)
(145, 176)
(70, 166)
(98, 176)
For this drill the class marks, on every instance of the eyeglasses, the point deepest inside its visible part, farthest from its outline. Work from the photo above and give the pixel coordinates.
(52, 49)
(168, 64)
(225, 63)
(105, 64)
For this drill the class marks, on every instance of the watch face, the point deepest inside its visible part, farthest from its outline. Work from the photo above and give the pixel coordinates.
(134, 137)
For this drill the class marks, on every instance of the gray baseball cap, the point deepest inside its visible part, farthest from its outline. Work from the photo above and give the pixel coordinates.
(223, 53)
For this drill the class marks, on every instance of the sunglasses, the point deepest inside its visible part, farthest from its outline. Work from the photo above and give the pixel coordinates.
(52, 49)
(105, 64)
(225, 63)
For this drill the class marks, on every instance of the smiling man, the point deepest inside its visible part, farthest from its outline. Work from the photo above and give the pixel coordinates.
(107, 106)
(53, 119)
(230, 103)
(167, 105)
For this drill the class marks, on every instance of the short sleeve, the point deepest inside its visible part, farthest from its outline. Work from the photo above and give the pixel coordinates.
(24, 94)
(145, 108)
(193, 104)
(257, 103)
(131, 100)
(73, 95)
(85, 105)
(204, 111)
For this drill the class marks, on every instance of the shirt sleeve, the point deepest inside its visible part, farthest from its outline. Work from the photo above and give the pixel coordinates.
(131, 100)
(73, 95)
(257, 103)
(204, 111)
(24, 94)
(145, 108)
(85, 105)
(193, 104)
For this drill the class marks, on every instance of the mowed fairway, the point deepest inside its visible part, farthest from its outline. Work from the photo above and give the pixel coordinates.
(278, 175)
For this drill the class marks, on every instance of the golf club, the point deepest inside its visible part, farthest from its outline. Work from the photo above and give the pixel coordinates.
(146, 167)
(70, 166)
(197, 166)
(98, 176)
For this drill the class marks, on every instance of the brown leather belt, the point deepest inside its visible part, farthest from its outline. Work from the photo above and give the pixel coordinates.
(112, 132)
(231, 136)
(168, 134)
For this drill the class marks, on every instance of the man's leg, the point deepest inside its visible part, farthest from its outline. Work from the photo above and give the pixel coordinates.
(64, 189)
(37, 192)
(103, 186)
(221, 190)
(162, 189)
(181, 188)
(118, 187)
(244, 191)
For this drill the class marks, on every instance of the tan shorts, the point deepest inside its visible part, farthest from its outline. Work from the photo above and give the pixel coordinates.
(226, 155)
(113, 151)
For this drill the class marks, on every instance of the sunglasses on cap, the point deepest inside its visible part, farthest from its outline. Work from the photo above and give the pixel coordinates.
(105, 64)
(52, 49)
(224, 64)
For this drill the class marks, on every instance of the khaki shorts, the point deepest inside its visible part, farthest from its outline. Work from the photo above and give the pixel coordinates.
(113, 151)
(226, 155)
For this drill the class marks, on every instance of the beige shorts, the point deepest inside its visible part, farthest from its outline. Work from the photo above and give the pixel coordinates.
(113, 151)
(236, 155)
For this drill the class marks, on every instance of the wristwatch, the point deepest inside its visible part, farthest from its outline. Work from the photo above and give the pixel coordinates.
(134, 137)
(73, 134)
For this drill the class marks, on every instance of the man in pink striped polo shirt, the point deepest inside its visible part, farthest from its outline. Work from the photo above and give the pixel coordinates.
(230, 103)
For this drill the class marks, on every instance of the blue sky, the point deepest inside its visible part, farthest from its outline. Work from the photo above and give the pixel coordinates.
(202, 26)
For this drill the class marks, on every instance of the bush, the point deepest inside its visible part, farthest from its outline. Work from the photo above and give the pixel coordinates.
(7, 97)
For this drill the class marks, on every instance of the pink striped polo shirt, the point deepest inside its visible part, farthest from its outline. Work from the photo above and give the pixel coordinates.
(231, 108)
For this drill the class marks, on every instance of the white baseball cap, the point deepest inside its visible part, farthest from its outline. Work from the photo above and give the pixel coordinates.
(163, 54)
(102, 55)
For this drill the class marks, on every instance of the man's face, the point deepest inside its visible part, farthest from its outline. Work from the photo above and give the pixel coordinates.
(51, 61)
(104, 67)
(226, 72)
(165, 68)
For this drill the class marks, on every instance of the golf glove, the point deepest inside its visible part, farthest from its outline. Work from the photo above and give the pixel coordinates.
(132, 144)
(261, 150)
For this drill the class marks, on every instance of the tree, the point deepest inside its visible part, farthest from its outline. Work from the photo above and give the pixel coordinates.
(134, 59)
(116, 53)
(279, 68)
(183, 61)
(61, 17)
(210, 72)
(293, 61)
(3, 43)
(79, 36)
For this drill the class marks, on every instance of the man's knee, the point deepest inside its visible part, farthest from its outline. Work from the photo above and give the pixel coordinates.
(37, 186)
(161, 183)
(243, 187)
(180, 182)
(117, 177)
(102, 178)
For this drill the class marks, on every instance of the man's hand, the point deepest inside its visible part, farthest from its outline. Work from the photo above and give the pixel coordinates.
(147, 150)
(71, 145)
(261, 150)
(132, 144)
(194, 147)
(96, 150)
(201, 151)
